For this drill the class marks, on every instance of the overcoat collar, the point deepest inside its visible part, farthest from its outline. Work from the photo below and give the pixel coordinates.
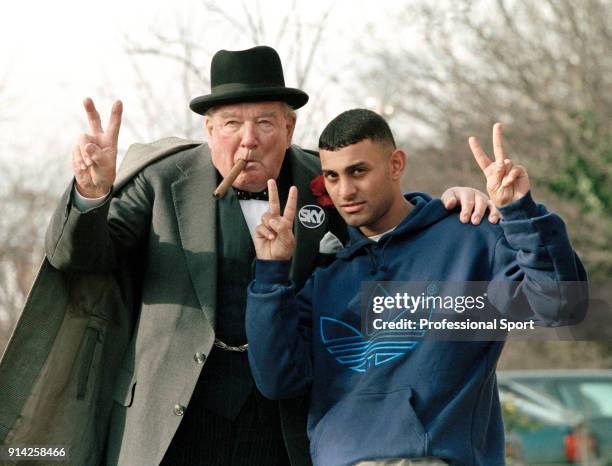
(195, 209)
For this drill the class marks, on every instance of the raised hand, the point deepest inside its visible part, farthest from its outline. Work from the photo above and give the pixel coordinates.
(94, 155)
(274, 238)
(506, 182)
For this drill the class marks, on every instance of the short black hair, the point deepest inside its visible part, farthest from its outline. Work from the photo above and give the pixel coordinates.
(354, 126)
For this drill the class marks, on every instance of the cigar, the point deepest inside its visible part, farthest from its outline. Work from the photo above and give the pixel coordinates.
(231, 177)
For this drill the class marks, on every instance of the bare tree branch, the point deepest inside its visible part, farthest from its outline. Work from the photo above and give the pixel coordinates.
(542, 68)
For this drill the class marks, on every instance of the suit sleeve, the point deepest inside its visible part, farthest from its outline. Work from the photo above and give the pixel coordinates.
(536, 273)
(279, 331)
(94, 240)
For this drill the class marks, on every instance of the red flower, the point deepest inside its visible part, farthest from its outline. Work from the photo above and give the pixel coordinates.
(317, 187)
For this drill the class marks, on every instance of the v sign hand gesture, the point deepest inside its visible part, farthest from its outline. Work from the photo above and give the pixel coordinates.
(274, 238)
(94, 156)
(506, 182)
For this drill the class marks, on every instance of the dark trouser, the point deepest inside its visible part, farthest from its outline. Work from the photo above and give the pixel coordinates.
(254, 438)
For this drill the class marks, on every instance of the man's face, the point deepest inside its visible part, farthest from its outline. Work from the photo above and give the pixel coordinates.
(264, 128)
(360, 180)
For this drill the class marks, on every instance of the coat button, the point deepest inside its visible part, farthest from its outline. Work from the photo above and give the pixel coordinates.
(179, 410)
(199, 358)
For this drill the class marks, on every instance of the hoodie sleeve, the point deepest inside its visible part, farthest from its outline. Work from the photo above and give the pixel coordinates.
(278, 327)
(536, 273)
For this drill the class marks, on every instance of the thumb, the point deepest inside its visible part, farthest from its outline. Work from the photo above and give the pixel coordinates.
(91, 152)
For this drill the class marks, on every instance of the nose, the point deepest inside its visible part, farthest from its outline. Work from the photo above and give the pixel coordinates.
(346, 189)
(249, 136)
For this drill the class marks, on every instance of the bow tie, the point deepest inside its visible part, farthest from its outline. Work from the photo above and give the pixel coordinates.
(246, 195)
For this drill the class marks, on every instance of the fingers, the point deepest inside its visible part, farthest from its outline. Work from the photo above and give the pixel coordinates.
(273, 200)
(449, 199)
(272, 219)
(274, 227)
(261, 231)
(275, 223)
(481, 157)
(498, 143)
(480, 206)
(281, 226)
(291, 205)
(466, 199)
(95, 155)
(277, 230)
(494, 215)
(473, 204)
(114, 124)
(78, 164)
(90, 153)
(93, 117)
(83, 141)
(512, 175)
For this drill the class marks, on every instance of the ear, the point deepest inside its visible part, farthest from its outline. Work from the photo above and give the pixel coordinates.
(290, 121)
(208, 127)
(397, 160)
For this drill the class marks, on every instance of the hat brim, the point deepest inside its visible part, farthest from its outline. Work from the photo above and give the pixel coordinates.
(294, 97)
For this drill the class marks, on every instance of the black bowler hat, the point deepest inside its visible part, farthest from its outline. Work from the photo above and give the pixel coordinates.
(252, 75)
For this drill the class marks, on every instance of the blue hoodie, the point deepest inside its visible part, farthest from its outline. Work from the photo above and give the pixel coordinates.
(438, 398)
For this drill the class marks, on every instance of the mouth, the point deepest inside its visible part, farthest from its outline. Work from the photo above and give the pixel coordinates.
(353, 207)
(250, 164)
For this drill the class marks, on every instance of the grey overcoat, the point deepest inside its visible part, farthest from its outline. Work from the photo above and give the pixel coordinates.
(117, 326)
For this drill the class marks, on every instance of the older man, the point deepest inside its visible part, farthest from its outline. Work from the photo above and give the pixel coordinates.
(177, 263)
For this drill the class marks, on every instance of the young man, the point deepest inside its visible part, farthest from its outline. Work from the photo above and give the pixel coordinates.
(438, 401)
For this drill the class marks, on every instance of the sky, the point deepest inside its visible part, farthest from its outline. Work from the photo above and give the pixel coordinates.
(53, 54)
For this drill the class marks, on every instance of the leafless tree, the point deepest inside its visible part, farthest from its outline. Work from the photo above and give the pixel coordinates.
(188, 49)
(542, 68)
(27, 198)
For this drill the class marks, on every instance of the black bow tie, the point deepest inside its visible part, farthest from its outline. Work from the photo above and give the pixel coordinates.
(246, 195)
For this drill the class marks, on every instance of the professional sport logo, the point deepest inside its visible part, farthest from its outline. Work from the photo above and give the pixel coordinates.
(311, 216)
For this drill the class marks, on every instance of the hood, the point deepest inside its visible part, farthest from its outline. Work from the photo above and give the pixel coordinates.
(426, 212)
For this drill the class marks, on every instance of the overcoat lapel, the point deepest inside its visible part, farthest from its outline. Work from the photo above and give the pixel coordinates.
(306, 239)
(195, 209)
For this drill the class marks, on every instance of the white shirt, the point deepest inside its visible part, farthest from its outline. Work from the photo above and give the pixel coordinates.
(375, 238)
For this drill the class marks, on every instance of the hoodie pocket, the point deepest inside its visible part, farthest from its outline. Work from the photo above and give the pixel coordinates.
(369, 426)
